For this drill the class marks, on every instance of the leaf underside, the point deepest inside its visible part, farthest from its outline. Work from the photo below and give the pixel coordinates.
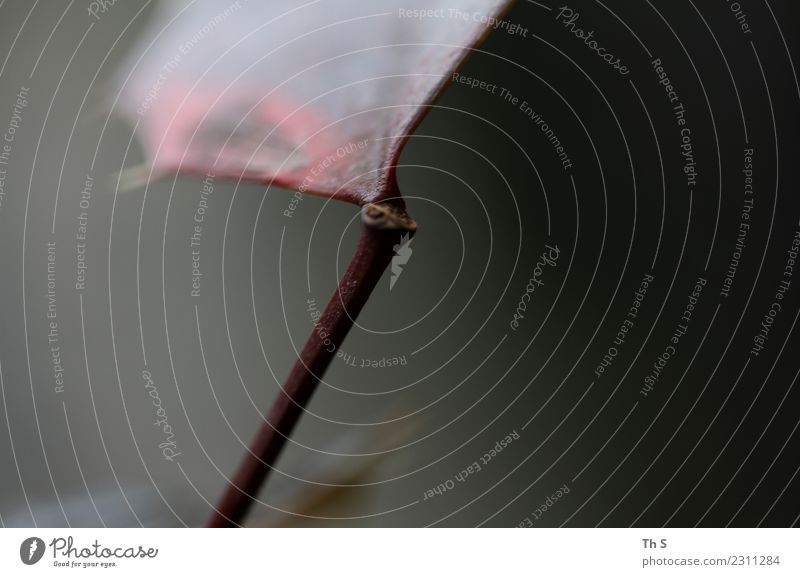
(318, 97)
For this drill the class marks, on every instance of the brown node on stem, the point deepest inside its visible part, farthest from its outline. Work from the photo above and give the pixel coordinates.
(386, 216)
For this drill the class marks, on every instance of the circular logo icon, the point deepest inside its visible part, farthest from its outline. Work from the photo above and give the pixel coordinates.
(31, 550)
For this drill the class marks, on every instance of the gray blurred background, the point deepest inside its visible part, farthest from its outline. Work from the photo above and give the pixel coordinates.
(713, 444)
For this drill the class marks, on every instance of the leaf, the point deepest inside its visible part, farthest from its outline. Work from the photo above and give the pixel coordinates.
(318, 97)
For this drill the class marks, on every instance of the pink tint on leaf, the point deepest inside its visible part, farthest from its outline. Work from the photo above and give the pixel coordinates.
(318, 97)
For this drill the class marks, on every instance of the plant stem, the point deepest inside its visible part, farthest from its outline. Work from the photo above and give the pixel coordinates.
(382, 226)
